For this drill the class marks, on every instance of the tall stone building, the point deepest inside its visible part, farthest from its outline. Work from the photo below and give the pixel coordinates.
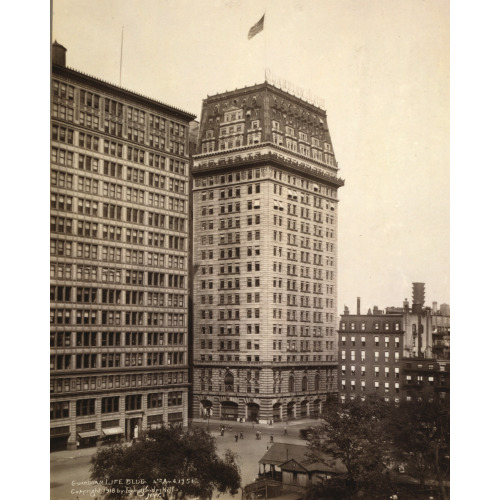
(118, 260)
(264, 257)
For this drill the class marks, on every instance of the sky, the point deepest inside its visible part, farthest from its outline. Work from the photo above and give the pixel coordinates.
(382, 70)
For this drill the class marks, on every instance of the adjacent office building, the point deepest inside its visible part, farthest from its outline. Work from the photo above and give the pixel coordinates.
(118, 260)
(265, 199)
(400, 353)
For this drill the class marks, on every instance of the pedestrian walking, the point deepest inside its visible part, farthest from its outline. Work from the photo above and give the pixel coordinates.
(286, 432)
(241, 435)
(236, 437)
(271, 439)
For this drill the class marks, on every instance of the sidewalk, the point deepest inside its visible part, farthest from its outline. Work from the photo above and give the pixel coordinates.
(306, 422)
(277, 429)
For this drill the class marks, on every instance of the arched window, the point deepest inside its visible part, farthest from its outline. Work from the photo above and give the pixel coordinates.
(229, 382)
(316, 382)
(304, 383)
(291, 384)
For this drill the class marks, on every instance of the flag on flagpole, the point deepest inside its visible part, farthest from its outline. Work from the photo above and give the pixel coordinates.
(256, 28)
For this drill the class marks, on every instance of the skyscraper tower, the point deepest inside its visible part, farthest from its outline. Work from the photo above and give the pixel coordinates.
(118, 261)
(264, 257)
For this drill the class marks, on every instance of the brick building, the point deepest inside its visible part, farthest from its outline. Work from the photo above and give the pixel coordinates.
(264, 257)
(118, 260)
(399, 353)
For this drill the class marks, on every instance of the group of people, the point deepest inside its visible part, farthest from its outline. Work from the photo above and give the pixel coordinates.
(258, 434)
(223, 429)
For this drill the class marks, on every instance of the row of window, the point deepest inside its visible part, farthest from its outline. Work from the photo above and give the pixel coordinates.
(69, 226)
(63, 293)
(66, 92)
(230, 283)
(229, 357)
(78, 384)
(125, 276)
(276, 359)
(68, 248)
(303, 331)
(229, 207)
(376, 341)
(277, 174)
(85, 407)
(377, 325)
(395, 386)
(229, 314)
(376, 371)
(306, 229)
(234, 139)
(305, 316)
(59, 316)
(376, 355)
(91, 185)
(60, 362)
(68, 203)
(250, 174)
(115, 339)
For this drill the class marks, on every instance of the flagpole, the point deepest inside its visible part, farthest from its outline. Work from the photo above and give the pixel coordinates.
(265, 41)
(121, 57)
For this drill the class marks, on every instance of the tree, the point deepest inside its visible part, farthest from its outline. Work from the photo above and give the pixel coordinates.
(174, 464)
(353, 432)
(420, 432)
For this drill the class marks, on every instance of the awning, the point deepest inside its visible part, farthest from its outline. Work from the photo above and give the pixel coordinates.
(88, 434)
(112, 431)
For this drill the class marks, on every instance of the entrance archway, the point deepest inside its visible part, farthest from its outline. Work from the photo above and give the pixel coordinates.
(290, 410)
(277, 412)
(206, 408)
(316, 408)
(253, 412)
(228, 410)
(303, 409)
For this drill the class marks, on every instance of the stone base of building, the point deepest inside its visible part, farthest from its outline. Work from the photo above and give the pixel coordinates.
(261, 409)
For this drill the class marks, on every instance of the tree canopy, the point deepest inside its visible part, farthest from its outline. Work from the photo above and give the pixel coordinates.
(371, 437)
(354, 433)
(420, 432)
(174, 464)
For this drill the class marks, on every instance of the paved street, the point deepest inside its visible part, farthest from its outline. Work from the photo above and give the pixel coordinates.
(68, 466)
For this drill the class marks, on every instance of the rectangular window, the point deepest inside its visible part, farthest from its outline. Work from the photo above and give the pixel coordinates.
(110, 405)
(85, 407)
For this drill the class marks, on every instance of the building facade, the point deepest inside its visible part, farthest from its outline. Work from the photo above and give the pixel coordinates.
(370, 353)
(401, 353)
(118, 260)
(264, 257)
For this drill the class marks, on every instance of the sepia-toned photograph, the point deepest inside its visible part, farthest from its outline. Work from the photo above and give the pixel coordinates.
(249, 249)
